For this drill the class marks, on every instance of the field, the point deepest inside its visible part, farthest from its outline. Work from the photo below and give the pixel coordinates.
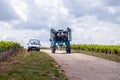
(7, 45)
(111, 52)
(108, 49)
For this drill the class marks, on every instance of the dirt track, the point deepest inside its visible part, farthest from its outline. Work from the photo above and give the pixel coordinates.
(83, 67)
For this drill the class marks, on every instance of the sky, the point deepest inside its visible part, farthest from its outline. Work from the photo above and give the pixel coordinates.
(91, 21)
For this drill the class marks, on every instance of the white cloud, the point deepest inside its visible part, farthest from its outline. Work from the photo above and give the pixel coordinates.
(91, 21)
(112, 10)
(7, 13)
(88, 4)
(23, 36)
(89, 29)
(21, 8)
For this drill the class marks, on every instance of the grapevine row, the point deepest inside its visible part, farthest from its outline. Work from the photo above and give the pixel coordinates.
(111, 49)
(8, 48)
(7, 45)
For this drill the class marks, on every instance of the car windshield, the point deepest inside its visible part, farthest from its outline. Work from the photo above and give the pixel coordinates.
(34, 42)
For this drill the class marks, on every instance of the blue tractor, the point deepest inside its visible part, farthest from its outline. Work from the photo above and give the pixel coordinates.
(60, 37)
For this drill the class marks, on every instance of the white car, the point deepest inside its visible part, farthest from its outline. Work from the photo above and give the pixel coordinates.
(34, 44)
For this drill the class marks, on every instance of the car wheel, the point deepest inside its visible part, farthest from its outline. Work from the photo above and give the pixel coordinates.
(28, 50)
(38, 49)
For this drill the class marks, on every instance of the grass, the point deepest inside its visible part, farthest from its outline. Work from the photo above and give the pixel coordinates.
(30, 66)
(112, 57)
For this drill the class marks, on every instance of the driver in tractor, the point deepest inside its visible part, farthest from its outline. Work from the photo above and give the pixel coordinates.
(59, 36)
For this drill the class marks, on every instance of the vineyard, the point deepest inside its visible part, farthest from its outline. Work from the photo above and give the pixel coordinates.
(7, 48)
(108, 49)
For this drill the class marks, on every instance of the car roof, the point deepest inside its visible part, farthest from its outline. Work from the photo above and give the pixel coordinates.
(34, 40)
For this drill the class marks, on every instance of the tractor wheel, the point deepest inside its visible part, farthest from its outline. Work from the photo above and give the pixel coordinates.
(68, 50)
(53, 50)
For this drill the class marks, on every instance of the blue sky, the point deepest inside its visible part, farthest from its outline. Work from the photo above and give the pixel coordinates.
(91, 21)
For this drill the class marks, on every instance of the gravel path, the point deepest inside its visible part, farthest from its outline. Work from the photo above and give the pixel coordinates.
(83, 67)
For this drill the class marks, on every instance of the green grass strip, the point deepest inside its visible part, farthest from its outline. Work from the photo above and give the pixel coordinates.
(34, 66)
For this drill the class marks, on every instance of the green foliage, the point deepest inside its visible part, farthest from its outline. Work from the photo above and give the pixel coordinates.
(108, 49)
(6, 45)
(34, 66)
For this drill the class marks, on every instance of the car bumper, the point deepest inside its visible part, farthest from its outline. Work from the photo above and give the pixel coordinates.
(33, 48)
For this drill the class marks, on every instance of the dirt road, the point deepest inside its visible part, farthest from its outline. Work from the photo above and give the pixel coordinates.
(83, 67)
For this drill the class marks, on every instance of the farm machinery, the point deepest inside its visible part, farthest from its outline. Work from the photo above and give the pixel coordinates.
(62, 38)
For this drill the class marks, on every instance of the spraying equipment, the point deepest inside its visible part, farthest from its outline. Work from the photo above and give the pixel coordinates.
(60, 37)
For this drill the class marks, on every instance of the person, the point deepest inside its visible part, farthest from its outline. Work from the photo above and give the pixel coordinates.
(60, 36)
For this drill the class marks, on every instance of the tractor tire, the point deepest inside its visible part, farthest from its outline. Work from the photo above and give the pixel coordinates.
(68, 50)
(53, 50)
